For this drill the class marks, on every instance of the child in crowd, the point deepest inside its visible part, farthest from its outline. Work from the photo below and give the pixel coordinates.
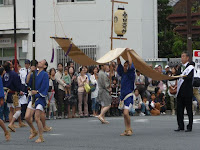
(146, 103)
(154, 107)
(115, 97)
(162, 104)
(138, 105)
(51, 101)
(67, 80)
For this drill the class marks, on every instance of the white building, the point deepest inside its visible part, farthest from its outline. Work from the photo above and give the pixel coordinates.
(88, 22)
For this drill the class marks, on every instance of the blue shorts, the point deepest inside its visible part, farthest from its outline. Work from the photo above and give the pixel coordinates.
(128, 101)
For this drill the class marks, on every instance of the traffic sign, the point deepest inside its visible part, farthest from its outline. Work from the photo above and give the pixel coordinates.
(196, 59)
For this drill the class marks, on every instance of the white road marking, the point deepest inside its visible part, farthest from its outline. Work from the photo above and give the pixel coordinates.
(141, 120)
(194, 121)
(55, 134)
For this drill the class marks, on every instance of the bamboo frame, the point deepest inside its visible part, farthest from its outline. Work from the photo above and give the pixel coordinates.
(116, 38)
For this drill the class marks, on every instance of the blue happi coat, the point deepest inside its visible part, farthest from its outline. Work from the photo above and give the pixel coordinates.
(1, 89)
(127, 80)
(42, 86)
(11, 80)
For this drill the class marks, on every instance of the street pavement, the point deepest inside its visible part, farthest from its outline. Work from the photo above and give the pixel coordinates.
(150, 133)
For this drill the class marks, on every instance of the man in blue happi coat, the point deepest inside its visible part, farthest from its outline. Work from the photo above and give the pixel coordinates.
(6, 133)
(12, 82)
(40, 93)
(127, 73)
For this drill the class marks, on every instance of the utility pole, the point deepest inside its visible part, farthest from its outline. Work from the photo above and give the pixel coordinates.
(15, 35)
(189, 29)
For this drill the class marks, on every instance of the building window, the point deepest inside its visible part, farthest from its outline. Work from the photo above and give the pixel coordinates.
(6, 54)
(89, 50)
(6, 2)
(61, 1)
(22, 57)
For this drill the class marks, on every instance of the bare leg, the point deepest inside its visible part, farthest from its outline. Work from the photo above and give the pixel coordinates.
(11, 114)
(127, 119)
(104, 110)
(38, 114)
(14, 118)
(7, 134)
(29, 120)
(43, 120)
(127, 122)
(101, 116)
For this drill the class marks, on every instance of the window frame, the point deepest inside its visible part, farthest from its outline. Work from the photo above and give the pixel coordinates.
(7, 5)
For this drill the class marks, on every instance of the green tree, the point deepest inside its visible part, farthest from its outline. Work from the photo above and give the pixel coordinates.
(165, 29)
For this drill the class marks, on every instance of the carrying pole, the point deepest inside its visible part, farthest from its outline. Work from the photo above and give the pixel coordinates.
(34, 45)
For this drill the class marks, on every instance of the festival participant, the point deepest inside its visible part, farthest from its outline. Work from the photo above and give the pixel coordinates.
(23, 98)
(40, 92)
(4, 108)
(104, 96)
(43, 115)
(6, 133)
(185, 92)
(12, 83)
(127, 73)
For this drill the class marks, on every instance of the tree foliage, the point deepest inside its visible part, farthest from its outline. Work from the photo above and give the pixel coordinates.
(170, 44)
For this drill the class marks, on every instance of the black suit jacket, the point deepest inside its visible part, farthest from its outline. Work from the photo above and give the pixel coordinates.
(186, 89)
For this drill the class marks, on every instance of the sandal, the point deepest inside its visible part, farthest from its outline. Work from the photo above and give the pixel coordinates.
(15, 126)
(124, 133)
(12, 129)
(33, 134)
(7, 136)
(101, 119)
(47, 129)
(40, 139)
(129, 132)
(22, 125)
(105, 122)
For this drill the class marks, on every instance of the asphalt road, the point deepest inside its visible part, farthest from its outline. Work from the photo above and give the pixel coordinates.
(150, 133)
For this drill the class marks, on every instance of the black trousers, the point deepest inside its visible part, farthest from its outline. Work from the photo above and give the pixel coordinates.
(23, 110)
(61, 102)
(182, 103)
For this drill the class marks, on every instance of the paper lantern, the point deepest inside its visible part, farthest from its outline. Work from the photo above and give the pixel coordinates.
(120, 22)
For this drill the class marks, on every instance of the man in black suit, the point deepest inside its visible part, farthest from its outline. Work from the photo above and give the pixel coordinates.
(185, 93)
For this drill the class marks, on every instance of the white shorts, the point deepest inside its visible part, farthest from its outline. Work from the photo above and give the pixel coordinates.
(128, 107)
(11, 105)
(52, 107)
(39, 106)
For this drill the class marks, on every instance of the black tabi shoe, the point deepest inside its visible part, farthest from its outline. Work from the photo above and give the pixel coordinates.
(178, 130)
(188, 130)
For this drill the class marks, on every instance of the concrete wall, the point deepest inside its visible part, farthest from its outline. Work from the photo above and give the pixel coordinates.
(87, 23)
